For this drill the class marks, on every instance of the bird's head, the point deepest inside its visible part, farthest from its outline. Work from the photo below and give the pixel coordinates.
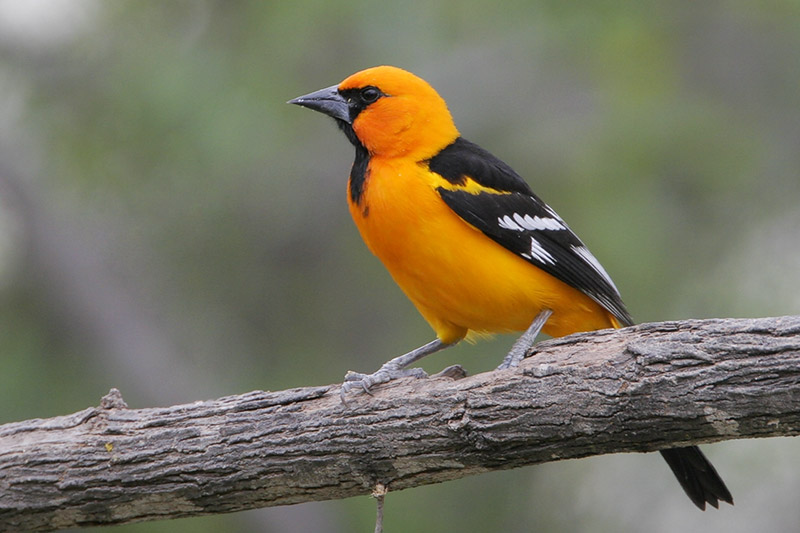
(388, 111)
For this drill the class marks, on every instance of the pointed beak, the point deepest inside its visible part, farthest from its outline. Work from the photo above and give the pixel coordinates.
(327, 101)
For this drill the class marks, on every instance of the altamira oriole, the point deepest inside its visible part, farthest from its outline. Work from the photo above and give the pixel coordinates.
(466, 239)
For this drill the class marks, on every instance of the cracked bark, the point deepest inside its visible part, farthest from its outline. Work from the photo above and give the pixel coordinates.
(633, 390)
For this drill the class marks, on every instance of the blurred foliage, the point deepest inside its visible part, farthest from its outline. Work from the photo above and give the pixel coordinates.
(170, 227)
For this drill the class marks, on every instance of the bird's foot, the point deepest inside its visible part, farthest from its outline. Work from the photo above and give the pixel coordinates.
(513, 357)
(393, 369)
(386, 373)
(521, 347)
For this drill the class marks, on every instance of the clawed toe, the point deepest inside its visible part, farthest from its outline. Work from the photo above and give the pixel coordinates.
(356, 380)
(393, 369)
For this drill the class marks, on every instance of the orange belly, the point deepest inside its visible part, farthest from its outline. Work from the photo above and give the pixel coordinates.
(459, 279)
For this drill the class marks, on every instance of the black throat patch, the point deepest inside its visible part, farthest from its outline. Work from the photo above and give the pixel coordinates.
(358, 177)
(360, 170)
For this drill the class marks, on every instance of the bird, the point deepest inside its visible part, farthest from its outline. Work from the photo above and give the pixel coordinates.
(470, 244)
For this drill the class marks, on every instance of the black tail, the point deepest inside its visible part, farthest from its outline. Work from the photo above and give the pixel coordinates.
(697, 476)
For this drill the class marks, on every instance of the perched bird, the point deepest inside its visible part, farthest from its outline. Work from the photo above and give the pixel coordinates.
(466, 239)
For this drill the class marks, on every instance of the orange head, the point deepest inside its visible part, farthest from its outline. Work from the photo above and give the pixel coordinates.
(388, 111)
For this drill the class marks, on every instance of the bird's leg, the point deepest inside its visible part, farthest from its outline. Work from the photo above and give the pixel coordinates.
(521, 346)
(392, 369)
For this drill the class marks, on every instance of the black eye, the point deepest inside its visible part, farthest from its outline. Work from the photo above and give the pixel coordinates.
(370, 94)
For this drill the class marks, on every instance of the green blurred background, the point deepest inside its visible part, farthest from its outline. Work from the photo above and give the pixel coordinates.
(170, 227)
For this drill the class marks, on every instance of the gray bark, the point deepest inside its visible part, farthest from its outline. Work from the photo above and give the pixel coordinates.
(633, 390)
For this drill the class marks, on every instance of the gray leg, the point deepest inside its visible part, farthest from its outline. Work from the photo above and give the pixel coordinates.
(392, 369)
(523, 344)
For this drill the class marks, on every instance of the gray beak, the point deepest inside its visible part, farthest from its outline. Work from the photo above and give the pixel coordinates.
(327, 101)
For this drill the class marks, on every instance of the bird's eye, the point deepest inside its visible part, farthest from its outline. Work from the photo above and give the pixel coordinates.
(370, 94)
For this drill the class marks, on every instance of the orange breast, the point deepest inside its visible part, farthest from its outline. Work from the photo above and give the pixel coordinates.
(459, 279)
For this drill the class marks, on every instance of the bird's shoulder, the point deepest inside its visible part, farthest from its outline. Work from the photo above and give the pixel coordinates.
(463, 160)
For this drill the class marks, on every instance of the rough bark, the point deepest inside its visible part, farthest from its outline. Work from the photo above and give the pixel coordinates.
(639, 389)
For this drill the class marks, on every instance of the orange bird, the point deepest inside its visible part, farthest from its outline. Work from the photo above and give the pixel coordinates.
(467, 240)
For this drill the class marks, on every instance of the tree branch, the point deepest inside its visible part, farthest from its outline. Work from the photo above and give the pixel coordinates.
(638, 389)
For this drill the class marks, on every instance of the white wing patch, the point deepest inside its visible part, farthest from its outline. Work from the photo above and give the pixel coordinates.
(517, 222)
(592, 261)
(540, 254)
(507, 222)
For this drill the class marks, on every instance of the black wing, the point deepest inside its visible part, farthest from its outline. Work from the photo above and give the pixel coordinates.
(518, 220)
